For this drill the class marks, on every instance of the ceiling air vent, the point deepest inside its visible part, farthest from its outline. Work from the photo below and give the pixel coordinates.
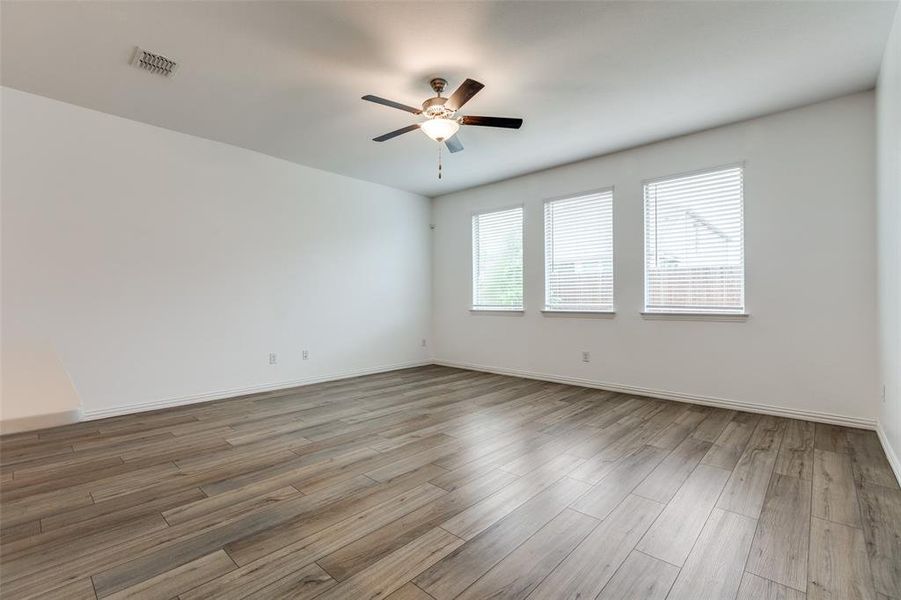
(155, 63)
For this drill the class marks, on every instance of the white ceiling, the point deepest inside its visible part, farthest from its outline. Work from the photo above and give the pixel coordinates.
(285, 78)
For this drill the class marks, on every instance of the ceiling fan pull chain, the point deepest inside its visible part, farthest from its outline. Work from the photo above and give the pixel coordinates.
(439, 161)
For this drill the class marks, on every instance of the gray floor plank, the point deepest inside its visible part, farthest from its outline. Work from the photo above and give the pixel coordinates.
(881, 523)
(838, 565)
(711, 427)
(834, 492)
(524, 568)
(666, 479)
(395, 570)
(832, 438)
(868, 460)
(714, 568)
(730, 444)
(758, 588)
(178, 580)
(795, 457)
(747, 486)
(588, 568)
(450, 576)
(779, 551)
(640, 577)
(619, 483)
(482, 515)
(675, 532)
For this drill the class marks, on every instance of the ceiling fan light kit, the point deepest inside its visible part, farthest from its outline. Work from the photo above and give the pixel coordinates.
(441, 120)
(440, 129)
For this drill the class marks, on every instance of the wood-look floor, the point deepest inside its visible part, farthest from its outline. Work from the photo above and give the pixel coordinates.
(442, 483)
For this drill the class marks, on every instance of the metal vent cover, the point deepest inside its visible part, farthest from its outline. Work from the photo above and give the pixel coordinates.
(153, 62)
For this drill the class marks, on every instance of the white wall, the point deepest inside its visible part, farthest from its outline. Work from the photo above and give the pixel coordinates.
(808, 348)
(149, 266)
(888, 100)
(160, 266)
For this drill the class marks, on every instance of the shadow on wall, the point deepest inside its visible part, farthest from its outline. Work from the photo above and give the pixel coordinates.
(36, 388)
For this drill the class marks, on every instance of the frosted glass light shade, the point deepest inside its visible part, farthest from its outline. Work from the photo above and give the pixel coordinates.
(440, 129)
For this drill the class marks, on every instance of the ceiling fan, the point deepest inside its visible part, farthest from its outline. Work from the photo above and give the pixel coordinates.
(441, 119)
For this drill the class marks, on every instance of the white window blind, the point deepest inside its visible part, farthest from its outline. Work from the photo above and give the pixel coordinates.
(694, 243)
(497, 260)
(578, 253)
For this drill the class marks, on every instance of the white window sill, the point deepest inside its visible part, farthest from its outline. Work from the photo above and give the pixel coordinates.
(512, 312)
(689, 316)
(575, 313)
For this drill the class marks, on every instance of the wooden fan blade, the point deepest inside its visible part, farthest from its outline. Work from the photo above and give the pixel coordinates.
(396, 132)
(454, 144)
(506, 122)
(392, 104)
(462, 95)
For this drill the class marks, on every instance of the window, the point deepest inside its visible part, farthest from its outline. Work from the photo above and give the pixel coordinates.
(497, 260)
(578, 253)
(694, 243)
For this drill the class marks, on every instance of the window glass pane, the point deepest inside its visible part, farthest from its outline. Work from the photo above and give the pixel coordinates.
(578, 252)
(694, 243)
(497, 260)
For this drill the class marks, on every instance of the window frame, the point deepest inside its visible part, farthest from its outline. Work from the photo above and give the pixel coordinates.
(496, 310)
(696, 315)
(546, 308)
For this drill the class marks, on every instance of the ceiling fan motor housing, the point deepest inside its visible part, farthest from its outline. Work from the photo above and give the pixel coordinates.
(434, 108)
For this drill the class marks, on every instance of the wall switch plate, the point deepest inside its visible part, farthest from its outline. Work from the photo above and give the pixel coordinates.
(305, 354)
(586, 356)
(273, 358)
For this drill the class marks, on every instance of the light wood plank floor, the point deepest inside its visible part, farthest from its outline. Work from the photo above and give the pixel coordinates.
(438, 483)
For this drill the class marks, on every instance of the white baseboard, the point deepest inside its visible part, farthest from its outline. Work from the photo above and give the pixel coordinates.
(113, 411)
(66, 417)
(889, 451)
(807, 415)
(833, 419)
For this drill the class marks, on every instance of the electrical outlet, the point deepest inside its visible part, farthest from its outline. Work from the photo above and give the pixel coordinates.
(273, 358)
(586, 356)
(306, 354)
(423, 343)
